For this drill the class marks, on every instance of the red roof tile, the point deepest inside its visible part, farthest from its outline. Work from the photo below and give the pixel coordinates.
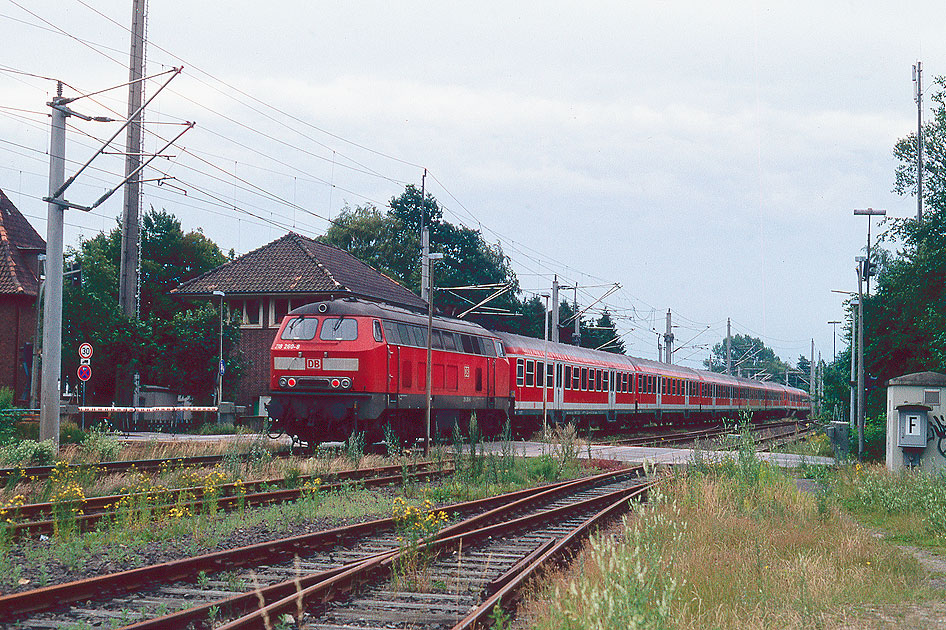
(295, 264)
(18, 243)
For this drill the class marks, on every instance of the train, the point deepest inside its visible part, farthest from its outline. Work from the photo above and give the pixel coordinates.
(348, 365)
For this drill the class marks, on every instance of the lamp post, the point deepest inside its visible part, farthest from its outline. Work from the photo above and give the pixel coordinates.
(220, 294)
(545, 367)
(430, 326)
(869, 212)
(834, 339)
(861, 264)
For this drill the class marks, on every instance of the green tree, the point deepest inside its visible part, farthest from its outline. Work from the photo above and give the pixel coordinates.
(750, 357)
(390, 242)
(172, 344)
(603, 334)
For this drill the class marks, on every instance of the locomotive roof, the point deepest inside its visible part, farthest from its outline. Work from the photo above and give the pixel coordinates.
(564, 352)
(361, 308)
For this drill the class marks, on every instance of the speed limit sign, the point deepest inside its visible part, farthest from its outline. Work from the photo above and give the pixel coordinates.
(85, 351)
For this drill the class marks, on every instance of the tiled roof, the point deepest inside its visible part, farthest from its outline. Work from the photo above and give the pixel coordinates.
(17, 238)
(295, 264)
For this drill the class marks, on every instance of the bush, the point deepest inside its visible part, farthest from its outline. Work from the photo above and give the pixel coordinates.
(8, 417)
(101, 444)
(28, 453)
(70, 433)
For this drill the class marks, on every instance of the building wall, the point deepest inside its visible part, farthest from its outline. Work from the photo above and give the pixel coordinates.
(254, 348)
(17, 323)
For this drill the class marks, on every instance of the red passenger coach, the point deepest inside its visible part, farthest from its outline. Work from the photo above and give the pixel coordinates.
(347, 365)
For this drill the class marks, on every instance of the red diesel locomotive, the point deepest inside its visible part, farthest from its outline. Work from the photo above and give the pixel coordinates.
(348, 365)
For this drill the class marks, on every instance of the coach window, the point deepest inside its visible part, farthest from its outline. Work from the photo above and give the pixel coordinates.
(539, 373)
(605, 381)
(568, 377)
(404, 332)
(584, 379)
(520, 372)
(467, 342)
(449, 341)
(530, 373)
(598, 380)
(339, 329)
(302, 328)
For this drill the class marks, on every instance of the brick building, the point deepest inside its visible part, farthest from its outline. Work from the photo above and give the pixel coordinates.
(261, 286)
(20, 247)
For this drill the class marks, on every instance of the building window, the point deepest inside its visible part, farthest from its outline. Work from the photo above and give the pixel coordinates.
(278, 309)
(252, 313)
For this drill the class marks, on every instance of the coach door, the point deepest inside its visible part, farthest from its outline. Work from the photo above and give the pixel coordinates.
(611, 391)
(558, 395)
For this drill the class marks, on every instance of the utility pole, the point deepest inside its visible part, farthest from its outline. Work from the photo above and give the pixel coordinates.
(428, 262)
(128, 288)
(853, 382)
(554, 307)
(728, 346)
(577, 338)
(860, 356)
(424, 244)
(52, 306)
(811, 377)
(130, 254)
(918, 97)
(668, 340)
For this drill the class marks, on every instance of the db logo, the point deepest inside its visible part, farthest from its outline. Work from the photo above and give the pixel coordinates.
(313, 364)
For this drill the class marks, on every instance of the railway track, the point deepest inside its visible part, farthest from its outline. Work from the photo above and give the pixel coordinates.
(317, 567)
(141, 465)
(34, 519)
(677, 438)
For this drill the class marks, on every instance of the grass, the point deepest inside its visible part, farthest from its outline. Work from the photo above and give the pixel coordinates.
(731, 544)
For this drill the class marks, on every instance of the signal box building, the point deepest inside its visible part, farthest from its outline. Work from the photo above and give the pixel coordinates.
(263, 285)
(20, 247)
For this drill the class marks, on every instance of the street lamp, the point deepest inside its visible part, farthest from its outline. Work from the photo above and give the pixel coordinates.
(220, 294)
(869, 212)
(430, 326)
(834, 339)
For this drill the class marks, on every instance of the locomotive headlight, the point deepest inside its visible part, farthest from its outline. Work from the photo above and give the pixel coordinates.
(346, 383)
(282, 381)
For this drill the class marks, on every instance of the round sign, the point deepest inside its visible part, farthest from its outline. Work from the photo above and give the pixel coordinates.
(84, 372)
(85, 351)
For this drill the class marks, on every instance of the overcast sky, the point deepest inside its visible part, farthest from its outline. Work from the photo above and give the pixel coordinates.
(706, 156)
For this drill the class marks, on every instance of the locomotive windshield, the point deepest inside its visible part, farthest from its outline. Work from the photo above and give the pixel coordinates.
(339, 329)
(300, 328)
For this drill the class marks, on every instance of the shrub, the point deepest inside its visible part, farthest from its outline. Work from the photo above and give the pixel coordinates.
(70, 433)
(101, 443)
(28, 453)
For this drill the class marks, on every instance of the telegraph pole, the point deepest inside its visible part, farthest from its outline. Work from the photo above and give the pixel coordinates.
(861, 262)
(424, 243)
(728, 346)
(668, 340)
(853, 382)
(554, 306)
(812, 389)
(918, 97)
(834, 339)
(52, 306)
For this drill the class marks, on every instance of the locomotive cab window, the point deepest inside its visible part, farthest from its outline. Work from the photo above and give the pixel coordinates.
(302, 328)
(339, 329)
(376, 328)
